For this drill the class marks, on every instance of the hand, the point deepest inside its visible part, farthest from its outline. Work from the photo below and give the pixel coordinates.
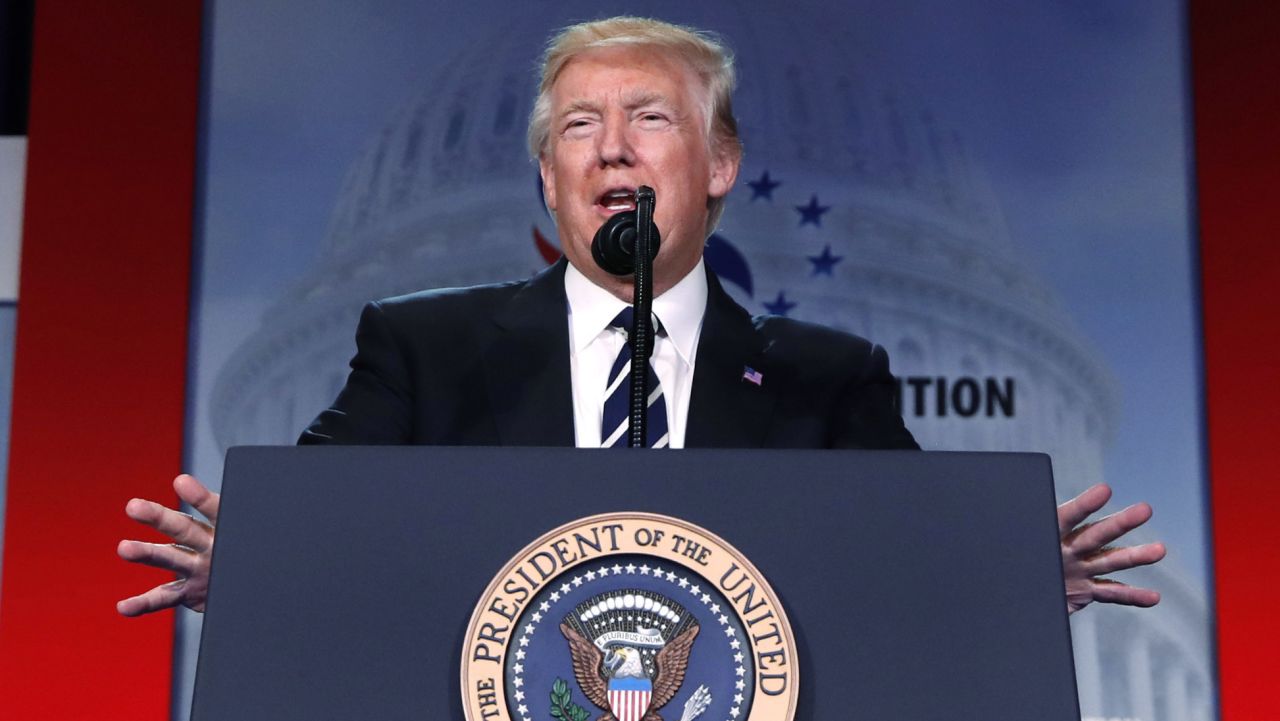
(188, 555)
(1086, 555)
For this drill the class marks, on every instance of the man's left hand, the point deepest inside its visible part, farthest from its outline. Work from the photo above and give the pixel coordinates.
(1086, 556)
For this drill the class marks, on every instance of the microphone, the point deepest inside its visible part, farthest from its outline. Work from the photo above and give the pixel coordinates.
(626, 245)
(614, 245)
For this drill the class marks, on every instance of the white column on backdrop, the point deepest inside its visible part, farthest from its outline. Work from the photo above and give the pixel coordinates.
(1084, 643)
(1141, 689)
(1176, 698)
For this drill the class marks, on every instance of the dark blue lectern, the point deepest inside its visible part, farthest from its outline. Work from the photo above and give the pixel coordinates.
(918, 585)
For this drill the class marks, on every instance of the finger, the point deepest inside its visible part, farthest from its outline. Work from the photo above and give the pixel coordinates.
(1120, 559)
(179, 526)
(170, 557)
(198, 496)
(1089, 538)
(159, 598)
(1108, 591)
(1073, 512)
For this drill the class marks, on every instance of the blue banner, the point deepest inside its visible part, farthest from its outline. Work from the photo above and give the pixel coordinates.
(996, 192)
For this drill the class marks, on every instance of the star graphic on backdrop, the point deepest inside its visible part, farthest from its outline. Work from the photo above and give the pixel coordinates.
(823, 264)
(763, 188)
(781, 306)
(812, 213)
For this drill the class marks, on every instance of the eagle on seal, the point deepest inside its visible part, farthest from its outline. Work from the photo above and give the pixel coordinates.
(614, 679)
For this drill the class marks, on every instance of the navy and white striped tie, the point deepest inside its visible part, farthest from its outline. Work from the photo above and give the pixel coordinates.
(617, 398)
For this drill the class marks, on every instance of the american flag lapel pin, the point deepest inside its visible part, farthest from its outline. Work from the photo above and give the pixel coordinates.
(751, 375)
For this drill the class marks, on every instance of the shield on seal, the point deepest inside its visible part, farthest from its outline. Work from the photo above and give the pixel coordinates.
(629, 697)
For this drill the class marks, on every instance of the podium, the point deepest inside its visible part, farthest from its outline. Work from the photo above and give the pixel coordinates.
(917, 585)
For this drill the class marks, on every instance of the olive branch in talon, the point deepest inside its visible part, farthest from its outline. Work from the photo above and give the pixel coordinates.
(562, 708)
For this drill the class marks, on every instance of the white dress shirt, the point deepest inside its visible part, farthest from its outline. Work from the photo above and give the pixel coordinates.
(594, 346)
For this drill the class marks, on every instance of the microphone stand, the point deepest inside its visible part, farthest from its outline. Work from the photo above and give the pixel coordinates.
(641, 336)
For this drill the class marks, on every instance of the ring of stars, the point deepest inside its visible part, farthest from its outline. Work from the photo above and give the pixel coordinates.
(526, 632)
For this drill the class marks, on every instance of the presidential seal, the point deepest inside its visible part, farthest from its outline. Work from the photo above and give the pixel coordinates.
(629, 617)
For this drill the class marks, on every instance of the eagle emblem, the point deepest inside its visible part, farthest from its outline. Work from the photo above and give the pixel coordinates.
(629, 616)
(630, 651)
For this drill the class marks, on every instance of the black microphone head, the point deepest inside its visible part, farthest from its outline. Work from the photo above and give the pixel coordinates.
(614, 245)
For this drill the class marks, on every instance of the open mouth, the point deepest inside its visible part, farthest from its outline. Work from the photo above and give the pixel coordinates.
(617, 200)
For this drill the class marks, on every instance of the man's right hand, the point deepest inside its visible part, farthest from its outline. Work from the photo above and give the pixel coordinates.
(188, 555)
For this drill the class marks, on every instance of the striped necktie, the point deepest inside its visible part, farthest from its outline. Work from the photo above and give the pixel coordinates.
(617, 397)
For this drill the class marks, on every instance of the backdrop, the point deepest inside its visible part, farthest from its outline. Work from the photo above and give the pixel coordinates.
(996, 193)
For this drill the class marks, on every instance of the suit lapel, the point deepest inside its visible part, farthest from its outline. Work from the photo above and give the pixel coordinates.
(530, 386)
(725, 409)
(527, 365)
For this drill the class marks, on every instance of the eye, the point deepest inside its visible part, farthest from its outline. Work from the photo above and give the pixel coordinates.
(652, 120)
(574, 127)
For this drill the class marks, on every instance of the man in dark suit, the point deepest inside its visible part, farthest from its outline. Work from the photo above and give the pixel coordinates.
(508, 380)
(623, 102)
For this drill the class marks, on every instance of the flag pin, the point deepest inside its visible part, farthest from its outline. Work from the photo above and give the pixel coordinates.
(751, 375)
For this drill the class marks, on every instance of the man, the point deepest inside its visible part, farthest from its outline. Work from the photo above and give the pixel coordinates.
(623, 102)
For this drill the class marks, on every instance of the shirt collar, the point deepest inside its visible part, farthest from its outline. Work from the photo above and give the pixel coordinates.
(592, 308)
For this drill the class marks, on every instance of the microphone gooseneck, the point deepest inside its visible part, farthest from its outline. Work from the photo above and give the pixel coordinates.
(641, 337)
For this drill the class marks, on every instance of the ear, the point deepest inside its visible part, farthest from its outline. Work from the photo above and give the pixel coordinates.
(548, 172)
(725, 161)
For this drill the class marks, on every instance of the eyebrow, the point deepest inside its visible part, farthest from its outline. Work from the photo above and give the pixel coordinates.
(642, 98)
(580, 106)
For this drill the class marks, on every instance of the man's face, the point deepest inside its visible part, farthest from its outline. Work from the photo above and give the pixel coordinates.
(622, 118)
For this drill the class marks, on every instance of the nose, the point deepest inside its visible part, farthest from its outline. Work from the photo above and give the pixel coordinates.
(615, 142)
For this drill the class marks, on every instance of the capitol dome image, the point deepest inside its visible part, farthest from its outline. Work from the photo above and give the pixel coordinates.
(857, 207)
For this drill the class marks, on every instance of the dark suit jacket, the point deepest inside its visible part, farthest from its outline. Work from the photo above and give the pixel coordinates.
(489, 365)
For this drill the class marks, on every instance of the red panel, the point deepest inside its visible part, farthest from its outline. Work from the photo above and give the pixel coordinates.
(1236, 62)
(101, 352)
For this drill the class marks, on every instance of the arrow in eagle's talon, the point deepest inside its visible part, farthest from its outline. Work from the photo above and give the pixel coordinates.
(696, 704)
